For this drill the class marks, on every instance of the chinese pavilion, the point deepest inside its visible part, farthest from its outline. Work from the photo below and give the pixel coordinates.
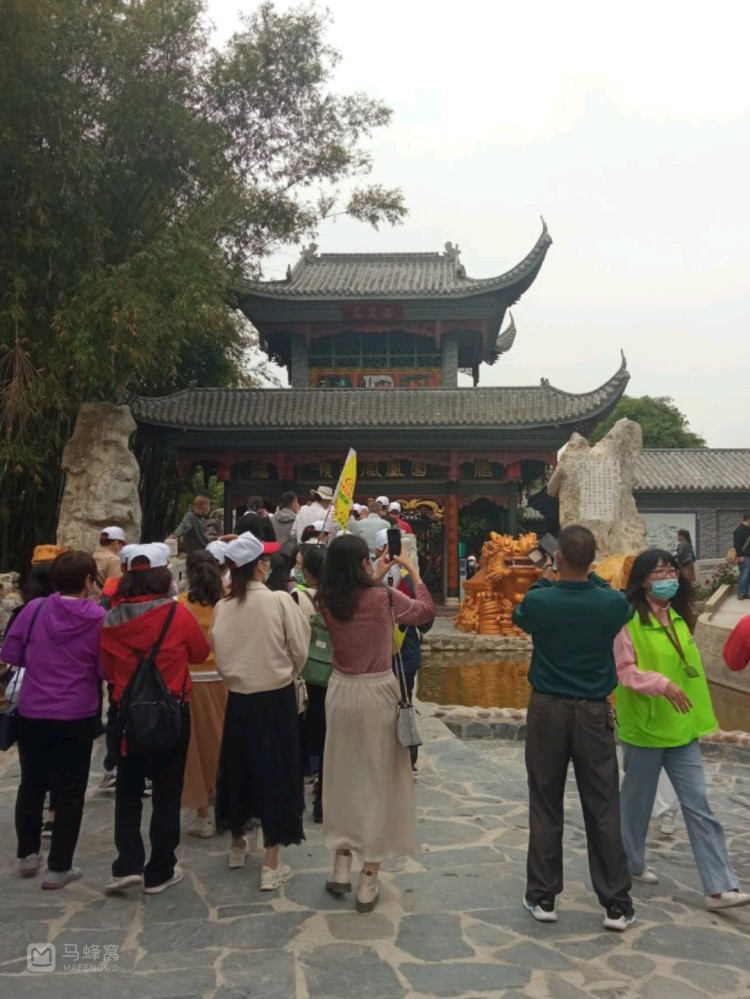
(373, 345)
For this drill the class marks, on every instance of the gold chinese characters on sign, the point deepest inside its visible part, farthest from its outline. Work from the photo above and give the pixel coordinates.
(505, 573)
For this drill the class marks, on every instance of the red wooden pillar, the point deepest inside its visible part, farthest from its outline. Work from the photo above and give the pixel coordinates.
(450, 528)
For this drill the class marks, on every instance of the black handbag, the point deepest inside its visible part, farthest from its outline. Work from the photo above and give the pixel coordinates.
(9, 718)
(8, 728)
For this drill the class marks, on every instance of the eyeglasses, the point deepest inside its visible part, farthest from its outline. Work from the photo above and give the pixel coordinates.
(664, 572)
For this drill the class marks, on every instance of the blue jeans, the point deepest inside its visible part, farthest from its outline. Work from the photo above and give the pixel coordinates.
(743, 586)
(684, 767)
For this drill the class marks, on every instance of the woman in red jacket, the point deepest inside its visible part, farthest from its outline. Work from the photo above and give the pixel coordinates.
(130, 630)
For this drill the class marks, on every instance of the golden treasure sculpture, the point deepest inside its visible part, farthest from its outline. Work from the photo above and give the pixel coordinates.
(615, 570)
(505, 573)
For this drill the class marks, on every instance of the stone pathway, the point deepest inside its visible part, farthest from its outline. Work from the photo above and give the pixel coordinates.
(450, 922)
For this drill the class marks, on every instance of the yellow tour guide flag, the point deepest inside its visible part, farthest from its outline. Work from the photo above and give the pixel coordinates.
(344, 495)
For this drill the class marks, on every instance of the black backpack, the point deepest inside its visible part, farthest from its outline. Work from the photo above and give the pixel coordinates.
(150, 717)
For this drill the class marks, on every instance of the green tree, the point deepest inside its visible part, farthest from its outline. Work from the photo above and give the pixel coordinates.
(662, 423)
(142, 174)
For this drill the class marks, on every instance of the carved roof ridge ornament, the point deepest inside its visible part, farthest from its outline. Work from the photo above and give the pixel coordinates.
(622, 374)
(328, 276)
(507, 338)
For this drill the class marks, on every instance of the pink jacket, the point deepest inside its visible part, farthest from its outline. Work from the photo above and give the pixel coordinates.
(643, 681)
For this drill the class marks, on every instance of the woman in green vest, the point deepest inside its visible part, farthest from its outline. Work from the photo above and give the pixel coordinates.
(663, 708)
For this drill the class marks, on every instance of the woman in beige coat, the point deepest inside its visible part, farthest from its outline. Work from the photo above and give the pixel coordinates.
(260, 640)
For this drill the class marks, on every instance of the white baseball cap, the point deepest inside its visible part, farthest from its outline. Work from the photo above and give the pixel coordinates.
(247, 548)
(125, 552)
(219, 551)
(356, 507)
(395, 506)
(157, 554)
(383, 500)
(381, 539)
(113, 533)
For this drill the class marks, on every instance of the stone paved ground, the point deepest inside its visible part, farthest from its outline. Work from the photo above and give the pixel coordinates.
(450, 922)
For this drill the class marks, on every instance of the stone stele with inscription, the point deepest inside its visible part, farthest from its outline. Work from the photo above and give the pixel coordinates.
(595, 488)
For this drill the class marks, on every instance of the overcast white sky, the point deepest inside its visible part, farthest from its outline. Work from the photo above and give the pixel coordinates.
(627, 126)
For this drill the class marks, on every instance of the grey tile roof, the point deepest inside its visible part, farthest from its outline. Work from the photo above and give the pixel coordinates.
(393, 275)
(694, 470)
(316, 408)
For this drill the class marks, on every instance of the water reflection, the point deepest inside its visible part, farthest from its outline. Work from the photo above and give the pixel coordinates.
(500, 683)
(484, 683)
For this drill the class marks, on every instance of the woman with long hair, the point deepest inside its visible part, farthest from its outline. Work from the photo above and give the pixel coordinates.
(56, 639)
(279, 578)
(131, 628)
(663, 708)
(368, 790)
(208, 699)
(260, 640)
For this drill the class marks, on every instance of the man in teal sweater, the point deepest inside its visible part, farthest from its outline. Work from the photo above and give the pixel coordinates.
(573, 622)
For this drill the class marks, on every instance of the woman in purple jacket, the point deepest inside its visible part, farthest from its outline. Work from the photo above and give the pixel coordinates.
(57, 640)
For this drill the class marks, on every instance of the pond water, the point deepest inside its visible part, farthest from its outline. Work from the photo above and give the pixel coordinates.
(477, 681)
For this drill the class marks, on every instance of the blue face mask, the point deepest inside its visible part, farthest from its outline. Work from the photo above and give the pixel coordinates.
(664, 589)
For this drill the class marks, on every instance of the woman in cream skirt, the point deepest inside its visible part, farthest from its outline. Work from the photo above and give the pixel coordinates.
(368, 791)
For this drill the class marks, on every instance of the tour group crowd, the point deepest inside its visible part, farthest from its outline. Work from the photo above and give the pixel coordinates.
(278, 662)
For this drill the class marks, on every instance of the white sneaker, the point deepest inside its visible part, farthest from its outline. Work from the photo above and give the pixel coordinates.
(272, 878)
(108, 781)
(58, 879)
(237, 855)
(158, 889)
(543, 910)
(28, 866)
(204, 828)
(727, 900)
(667, 824)
(116, 885)
(618, 918)
(646, 877)
(367, 893)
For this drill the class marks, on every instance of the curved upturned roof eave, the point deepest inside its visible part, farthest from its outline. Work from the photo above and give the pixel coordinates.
(315, 409)
(519, 278)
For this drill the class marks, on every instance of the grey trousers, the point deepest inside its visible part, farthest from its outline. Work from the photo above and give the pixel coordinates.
(558, 731)
(684, 766)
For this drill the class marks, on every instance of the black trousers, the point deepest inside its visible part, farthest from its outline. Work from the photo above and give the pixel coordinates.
(315, 730)
(167, 772)
(55, 755)
(111, 732)
(559, 730)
